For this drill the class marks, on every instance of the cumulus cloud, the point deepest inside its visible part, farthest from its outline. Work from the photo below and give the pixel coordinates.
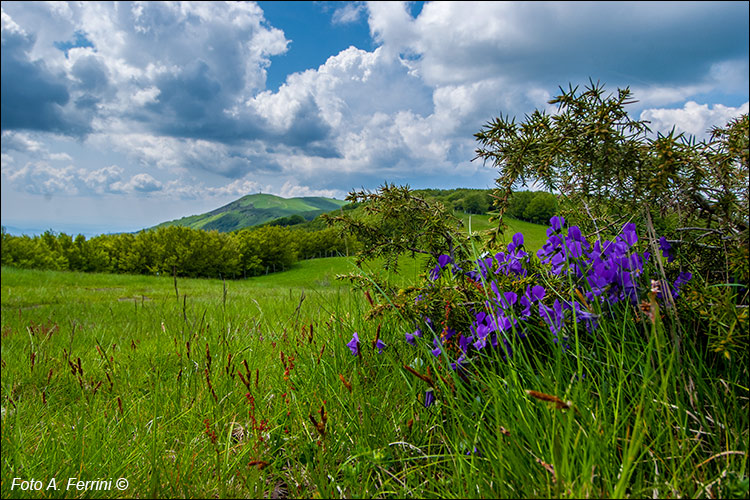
(32, 97)
(60, 157)
(102, 180)
(29, 145)
(349, 13)
(143, 183)
(454, 42)
(693, 118)
(41, 178)
(290, 190)
(177, 89)
(20, 141)
(171, 68)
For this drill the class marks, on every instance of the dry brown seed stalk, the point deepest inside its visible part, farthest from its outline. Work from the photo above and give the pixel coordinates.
(426, 378)
(559, 403)
(346, 384)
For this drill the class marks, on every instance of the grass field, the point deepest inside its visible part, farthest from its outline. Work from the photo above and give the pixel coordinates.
(204, 388)
(534, 234)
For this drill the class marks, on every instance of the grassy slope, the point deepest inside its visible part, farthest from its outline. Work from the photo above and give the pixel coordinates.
(256, 209)
(535, 235)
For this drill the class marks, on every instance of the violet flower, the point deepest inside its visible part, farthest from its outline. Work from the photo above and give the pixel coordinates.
(380, 345)
(429, 398)
(666, 249)
(353, 344)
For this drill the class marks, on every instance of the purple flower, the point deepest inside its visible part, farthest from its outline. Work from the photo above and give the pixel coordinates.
(575, 247)
(683, 278)
(443, 261)
(628, 235)
(666, 249)
(508, 299)
(532, 294)
(475, 452)
(448, 333)
(429, 398)
(437, 347)
(537, 292)
(459, 362)
(553, 316)
(380, 345)
(481, 341)
(353, 344)
(516, 243)
(574, 233)
(485, 266)
(589, 319)
(435, 273)
(557, 223)
(464, 343)
(411, 338)
(429, 324)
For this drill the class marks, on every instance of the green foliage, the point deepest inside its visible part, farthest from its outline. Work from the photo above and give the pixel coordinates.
(608, 169)
(470, 201)
(175, 250)
(532, 206)
(713, 311)
(273, 246)
(518, 202)
(395, 222)
(476, 203)
(541, 209)
(287, 221)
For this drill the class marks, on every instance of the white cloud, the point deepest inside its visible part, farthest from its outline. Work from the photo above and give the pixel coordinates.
(692, 119)
(141, 97)
(290, 190)
(102, 180)
(174, 92)
(237, 188)
(349, 13)
(10, 26)
(21, 142)
(60, 157)
(156, 62)
(41, 178)
(141, 183)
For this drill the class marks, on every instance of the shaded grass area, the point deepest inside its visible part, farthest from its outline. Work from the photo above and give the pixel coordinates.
(246, 388)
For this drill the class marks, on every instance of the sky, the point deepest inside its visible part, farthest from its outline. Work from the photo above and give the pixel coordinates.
(118, 116)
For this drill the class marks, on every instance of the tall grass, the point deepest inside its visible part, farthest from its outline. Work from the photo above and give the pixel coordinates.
(248, 389)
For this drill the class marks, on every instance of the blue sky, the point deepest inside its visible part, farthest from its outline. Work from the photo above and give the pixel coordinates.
(118, 116)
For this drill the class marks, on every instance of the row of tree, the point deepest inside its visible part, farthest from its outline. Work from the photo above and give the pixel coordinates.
(182, 250)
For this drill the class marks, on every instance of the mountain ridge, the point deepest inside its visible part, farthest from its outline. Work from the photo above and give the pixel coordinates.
(254, 210)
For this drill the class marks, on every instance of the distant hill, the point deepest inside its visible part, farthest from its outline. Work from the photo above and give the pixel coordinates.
(256, 209)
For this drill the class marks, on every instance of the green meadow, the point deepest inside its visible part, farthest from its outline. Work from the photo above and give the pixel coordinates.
(142, 386)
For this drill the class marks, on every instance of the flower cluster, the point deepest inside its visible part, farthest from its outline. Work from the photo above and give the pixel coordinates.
(605, 272)
(354, 345)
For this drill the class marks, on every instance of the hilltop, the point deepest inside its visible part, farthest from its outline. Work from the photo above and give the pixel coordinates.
(256, 209)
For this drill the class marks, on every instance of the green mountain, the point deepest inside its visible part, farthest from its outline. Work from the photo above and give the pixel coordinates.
(256, 209)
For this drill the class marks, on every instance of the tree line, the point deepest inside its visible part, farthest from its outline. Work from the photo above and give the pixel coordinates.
(175, 249)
